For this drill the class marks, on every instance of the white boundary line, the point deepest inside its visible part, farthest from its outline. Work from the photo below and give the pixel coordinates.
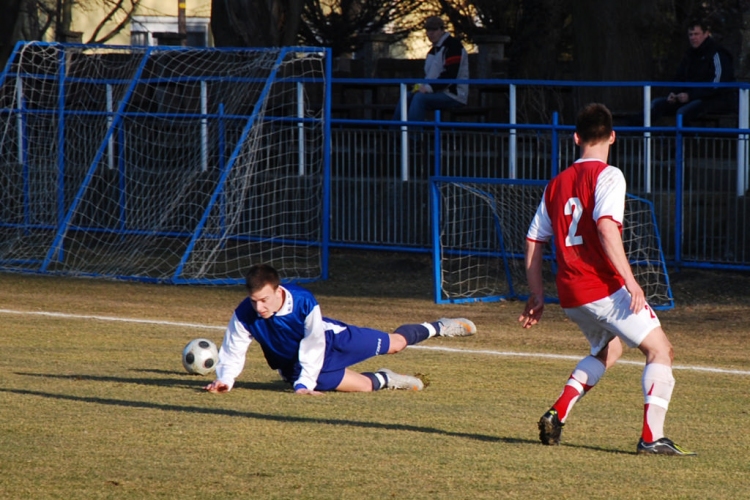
(427, 348)
(110, 318)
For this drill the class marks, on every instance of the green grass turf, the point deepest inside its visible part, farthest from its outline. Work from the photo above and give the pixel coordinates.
(102, 409)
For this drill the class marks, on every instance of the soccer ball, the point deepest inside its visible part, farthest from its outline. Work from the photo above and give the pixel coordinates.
(200, 357)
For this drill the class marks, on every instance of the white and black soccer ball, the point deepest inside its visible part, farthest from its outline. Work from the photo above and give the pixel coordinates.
(200, 357)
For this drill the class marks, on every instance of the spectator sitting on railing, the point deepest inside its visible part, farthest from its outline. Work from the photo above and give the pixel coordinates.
(447, 59)
(704, 61)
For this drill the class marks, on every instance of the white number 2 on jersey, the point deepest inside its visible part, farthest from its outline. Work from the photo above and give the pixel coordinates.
(573, 207)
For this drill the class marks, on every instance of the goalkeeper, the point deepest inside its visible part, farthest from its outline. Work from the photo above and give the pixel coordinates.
(311, 352)
(582, 209)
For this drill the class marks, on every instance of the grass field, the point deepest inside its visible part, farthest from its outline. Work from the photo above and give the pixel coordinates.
(94, 402)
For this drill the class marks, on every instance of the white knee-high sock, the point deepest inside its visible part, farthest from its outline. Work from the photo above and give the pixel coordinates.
(658, 384)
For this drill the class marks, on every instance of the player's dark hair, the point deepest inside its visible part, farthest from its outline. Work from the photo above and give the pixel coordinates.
(261, 275)
(699, 22)
(594, 123)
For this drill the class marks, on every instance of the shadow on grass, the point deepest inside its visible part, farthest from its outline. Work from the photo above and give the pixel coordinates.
(599, 448)
(261, 416)
(195, 381)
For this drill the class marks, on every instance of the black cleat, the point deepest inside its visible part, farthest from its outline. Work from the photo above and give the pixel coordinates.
(662, 446)
(550, 428)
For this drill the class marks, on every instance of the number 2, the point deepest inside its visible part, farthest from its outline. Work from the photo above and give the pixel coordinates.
(573, 207)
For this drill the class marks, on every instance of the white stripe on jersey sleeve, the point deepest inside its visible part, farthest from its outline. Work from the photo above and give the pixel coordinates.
(232, 353)
(610, 195)
(312, 349)
(540, 228)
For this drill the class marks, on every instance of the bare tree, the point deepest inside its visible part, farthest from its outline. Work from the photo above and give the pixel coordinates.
(536, 29)
(52, 19)
(255, 23)
(471, 18)
(119, 12)
(11, 10)
(340, 24)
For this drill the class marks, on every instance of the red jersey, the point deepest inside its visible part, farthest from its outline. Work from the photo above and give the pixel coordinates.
(573, 202)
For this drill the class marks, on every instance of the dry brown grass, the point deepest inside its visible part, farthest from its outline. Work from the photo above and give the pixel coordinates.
(102, 409)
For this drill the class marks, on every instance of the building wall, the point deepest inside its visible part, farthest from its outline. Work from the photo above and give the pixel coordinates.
(150, 15)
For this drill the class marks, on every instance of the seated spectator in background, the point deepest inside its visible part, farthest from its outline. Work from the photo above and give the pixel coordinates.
(704, 61)
(446, 60)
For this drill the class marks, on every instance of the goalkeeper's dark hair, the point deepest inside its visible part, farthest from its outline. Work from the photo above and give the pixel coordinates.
(594, 123)
(261, 275)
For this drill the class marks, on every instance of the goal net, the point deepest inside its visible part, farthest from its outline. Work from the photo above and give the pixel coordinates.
(479, 229)
(164, 164)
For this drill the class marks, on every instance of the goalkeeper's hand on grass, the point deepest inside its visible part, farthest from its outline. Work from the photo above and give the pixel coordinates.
(304, 390)
(217, 386)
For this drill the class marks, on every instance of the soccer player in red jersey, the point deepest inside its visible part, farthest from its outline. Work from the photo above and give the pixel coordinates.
(582, 210)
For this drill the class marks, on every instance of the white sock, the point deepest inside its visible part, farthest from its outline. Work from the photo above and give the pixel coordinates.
(431, 329)
(658, 384)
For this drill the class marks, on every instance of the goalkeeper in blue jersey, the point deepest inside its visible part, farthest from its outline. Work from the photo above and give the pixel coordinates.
(312, 352)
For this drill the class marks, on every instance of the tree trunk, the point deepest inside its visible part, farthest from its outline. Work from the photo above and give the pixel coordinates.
(11, 10)
(536, 45)
(612, 42)
(255, 23)
(743, 57)
(293, 18)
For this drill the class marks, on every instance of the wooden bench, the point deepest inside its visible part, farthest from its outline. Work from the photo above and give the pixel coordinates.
(718, 120)
(470, 114)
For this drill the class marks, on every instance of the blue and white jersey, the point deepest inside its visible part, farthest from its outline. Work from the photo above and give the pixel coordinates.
(293, 340)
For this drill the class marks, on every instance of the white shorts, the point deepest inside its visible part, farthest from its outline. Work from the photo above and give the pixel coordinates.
(604, 319)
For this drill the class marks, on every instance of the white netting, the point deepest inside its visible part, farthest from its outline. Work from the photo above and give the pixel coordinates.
(482, 234)
(160, 163)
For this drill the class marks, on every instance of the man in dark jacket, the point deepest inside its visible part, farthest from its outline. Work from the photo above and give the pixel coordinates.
(704, 61)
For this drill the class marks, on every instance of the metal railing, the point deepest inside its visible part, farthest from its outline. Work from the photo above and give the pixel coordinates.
(697, 177)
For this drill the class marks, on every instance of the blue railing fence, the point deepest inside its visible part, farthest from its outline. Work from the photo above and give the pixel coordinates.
(370, 174)
(696, 176)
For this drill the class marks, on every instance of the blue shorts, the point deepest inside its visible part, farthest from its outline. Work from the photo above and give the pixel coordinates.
(344, 349)
(348, 348)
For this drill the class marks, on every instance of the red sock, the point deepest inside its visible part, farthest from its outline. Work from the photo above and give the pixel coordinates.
(566, 400)
(570, 394)
(585, 376)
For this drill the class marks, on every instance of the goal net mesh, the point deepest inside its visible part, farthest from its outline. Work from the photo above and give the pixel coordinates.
(162, 163)
(481, 229)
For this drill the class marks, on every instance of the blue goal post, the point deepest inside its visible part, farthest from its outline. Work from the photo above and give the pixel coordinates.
(479, 230)
(165, 164)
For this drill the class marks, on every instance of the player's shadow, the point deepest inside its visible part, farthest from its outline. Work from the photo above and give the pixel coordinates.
(598, 448)
(262, 416)
(185, 380)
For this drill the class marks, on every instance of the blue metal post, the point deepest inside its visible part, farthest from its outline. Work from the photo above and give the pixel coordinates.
(61, 144)
(122, 175)
(555, 144)
(23, 152)
(437, 146)
(435, 206)
(326, 167)
(224, 174)
(58, 241)
(679, 165)
(222, 163)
